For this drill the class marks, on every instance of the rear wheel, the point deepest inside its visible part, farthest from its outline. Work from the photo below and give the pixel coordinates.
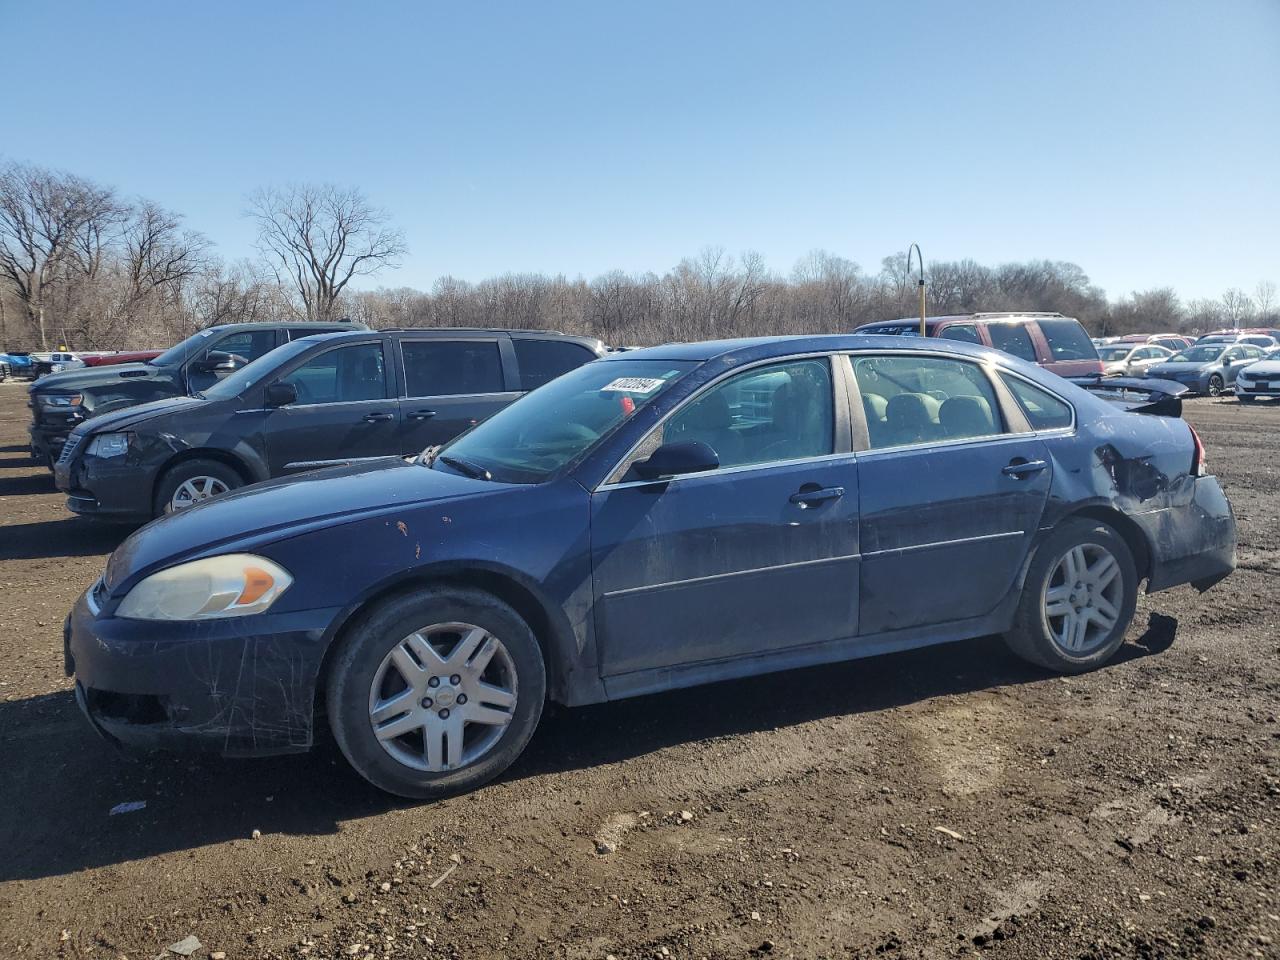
(1078, 599)
(1215, 385)
(436, 693)
(192, 482)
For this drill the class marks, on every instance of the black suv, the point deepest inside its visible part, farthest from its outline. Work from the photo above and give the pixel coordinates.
(60, 401)
(315, 402)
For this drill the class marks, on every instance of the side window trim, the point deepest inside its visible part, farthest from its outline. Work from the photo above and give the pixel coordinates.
(303, 361)
(840, 422)
(503, 344)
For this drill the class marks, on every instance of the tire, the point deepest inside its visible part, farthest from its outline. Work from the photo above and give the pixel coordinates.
(212, 476)
(1216, 385)
(1046, 639)
(365, 677)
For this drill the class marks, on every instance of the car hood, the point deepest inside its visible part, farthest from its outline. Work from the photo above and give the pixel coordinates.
(127, 417)
(82, 377)
(1263, 368)
(285, 507)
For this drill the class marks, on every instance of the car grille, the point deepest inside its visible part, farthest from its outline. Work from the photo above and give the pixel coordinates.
(69, 448)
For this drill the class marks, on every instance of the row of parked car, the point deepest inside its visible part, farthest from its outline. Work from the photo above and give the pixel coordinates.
(561, 522)
(1247, 362)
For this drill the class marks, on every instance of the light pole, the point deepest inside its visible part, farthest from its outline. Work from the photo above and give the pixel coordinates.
(920, 282)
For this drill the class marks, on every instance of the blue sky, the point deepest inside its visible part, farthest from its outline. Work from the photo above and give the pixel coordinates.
(1138, 139)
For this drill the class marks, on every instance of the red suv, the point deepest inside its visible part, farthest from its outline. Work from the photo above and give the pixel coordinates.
(1055, 342)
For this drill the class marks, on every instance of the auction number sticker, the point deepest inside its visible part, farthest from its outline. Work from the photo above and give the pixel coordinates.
(634, 385)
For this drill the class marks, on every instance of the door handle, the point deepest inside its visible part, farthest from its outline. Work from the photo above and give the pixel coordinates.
(806, 498)
(378, 417)
(1019, 468)
(422, 415)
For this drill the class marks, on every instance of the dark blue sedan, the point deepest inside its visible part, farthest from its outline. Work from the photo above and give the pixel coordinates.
(656, 519)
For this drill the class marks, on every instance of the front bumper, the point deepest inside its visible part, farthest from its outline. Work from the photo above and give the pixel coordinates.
(238, 687)
(47, 433)
(1192, 542)
(1259, 388)
(109, 489)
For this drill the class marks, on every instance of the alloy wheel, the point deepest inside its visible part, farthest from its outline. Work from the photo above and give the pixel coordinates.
(1215, 386)
(194, 490)
(1082, 599)
(443, 697)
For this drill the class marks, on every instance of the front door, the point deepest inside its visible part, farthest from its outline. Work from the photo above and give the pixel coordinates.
(755, 557)
(950, 499)
(450, 386)
(342, 413)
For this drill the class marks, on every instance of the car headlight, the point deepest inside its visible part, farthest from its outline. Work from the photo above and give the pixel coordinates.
(58, 401)
(110, 444)
(234, 585)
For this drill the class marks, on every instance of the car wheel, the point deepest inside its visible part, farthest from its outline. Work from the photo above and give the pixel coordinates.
(436, 693)
(191, 482)
(1078, 599)
(1215, 386)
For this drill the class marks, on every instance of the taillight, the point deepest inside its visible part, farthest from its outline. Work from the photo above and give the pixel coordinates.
(1197, 458)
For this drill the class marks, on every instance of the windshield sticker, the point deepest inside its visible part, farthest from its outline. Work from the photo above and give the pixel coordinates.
(633, 385)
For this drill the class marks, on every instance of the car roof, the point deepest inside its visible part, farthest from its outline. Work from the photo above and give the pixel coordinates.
(447, 332)
(337, 325)
(760, 348)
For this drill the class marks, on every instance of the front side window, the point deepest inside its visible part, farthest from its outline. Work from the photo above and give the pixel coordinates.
(1012, 338)
(965, 332)
(442, 368)
(910, 400)
(250, 345)
(343, 375)
(1043, 410)
(541, 361)
(779, 412)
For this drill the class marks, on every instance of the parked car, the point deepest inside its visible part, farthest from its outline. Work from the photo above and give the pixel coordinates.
(61, 401)
(21, 366)
(121, 356)
(1131, 359)
(1171, 341)
(1259, 379)
(659, 518)
(5, 370)
(1271, 332)
(1055, 342)
(318, 401)
(1207, 368)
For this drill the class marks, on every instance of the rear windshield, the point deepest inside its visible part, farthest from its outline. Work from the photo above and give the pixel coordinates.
(1067, 340)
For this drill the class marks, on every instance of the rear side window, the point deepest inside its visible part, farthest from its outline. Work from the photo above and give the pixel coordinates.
(1012, 338)
(1067, 340)
(1044, 411)
(911, 400)
(541, 361)
(441, 368)
(965, 332)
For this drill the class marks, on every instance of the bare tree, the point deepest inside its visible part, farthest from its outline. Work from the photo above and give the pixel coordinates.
(1237, 308)
(46, 218)
(320, 237)
(1264, 297)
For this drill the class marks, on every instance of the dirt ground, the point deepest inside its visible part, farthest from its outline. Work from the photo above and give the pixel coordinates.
(932, 804)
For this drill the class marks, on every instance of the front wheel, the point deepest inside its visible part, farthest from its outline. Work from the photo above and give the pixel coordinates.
(192, 482)
(1078, 599)
(436, 693)
(1215, 386)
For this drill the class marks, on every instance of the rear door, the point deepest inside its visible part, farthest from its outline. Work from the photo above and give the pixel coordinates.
(344, 410)
(450, 385)
(950, 496)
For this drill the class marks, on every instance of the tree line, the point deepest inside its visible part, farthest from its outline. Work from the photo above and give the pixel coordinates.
(82, 266)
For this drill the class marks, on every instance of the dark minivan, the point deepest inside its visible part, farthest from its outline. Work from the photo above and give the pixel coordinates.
(60, 401)
(314, 402)
(1057, 343)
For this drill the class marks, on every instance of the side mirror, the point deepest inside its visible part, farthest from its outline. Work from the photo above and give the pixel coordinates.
(216, 361)
(677, 459)
(281, 394)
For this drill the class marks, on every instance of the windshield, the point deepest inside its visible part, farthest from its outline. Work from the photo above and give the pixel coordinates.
(1198, 355)
(1112, 354)
(550, 427)
(251, 374)
(180, 351)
